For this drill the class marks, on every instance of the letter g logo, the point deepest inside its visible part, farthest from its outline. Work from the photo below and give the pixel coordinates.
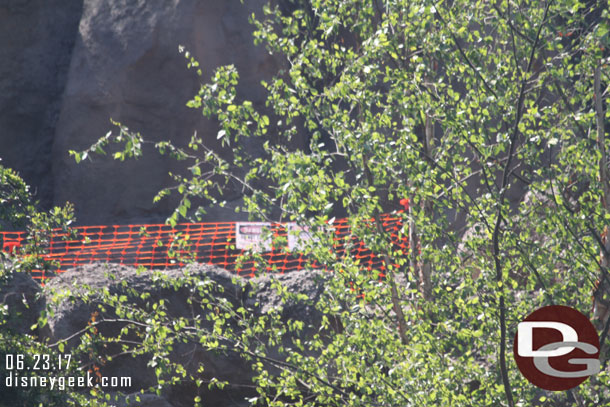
(557, 348)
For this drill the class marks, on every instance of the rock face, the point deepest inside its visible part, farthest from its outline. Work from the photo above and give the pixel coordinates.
(68, 317)
(68, 66)
(126, 66)
(36, 41)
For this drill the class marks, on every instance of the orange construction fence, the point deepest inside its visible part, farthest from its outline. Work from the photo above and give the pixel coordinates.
(211, 243)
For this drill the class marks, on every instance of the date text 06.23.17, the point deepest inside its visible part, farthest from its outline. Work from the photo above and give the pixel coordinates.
(37, 361)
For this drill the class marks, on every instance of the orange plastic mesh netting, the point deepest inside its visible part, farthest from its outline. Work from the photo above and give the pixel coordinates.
(211, 243)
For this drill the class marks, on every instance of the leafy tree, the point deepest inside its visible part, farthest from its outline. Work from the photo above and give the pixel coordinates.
(18, 210)
(454, 105)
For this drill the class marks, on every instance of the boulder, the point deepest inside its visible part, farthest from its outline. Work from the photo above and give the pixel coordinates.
(20, 293)
(265, 297)
(68, 316)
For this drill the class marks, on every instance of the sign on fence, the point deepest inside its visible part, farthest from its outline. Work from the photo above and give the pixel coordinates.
(249, 235)
(297, 236)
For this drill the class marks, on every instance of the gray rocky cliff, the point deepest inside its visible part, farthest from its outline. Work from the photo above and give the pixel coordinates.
(68, 67)
(36, 42)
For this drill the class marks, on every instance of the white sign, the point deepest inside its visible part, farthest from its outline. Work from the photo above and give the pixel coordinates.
(249, 235)
(297, 236)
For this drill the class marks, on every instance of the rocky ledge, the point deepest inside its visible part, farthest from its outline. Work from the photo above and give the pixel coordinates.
(72, 301)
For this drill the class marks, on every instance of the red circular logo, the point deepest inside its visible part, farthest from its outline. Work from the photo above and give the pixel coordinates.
(556, 348)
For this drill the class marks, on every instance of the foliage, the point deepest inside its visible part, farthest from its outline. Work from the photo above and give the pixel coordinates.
(19, 210)
(15, 201)
(457, 106)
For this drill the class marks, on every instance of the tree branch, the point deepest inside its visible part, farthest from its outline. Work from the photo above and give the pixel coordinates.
(500, 217)
(402, 326)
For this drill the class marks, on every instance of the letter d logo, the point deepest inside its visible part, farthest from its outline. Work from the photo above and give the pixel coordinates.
(526, 338)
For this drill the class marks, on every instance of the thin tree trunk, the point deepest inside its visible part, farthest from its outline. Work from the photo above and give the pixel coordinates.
(601, 307)
(395, 297)
(425, 268)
